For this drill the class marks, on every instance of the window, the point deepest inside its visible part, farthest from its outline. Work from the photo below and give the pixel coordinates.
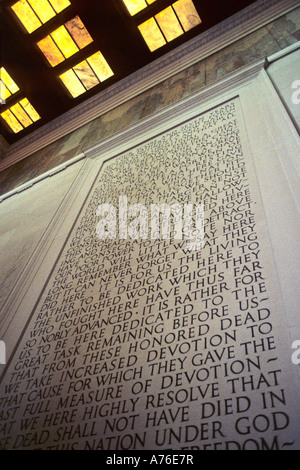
(7, 86)
(187, 14)
(65, 41)
(20, 115)
(152, 34)
(169, 24)
(86, 74)
(34, 13)
(134, 6)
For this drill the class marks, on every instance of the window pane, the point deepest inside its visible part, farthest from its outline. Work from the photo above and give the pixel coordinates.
(134, 6)
(73, 84)
(33, 13)
(51, 51)
(21, 115)
(152, 34)
(8, 81)
(26, 16)
(86, 75)
(100, 66)
(13, 123)
(60, 5)
(169, 24)
(4, 92)
(60, 44)
(79, 33)
(64, 42)
(187, 14)
(30, 110)
(43, 9)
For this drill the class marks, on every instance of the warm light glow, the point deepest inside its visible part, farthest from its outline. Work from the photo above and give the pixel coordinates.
(169, 24)
(134, 6)
(187, 14)
(12, 121)
(26, 15)
(152, 34)
(72, 82)
(60, 5)
(34, 13)
(4, 92)
(43, 9)
(79, 32)
(100, 66)
(86, 75)
(20, 116)
(65, 41)
(51, 51)
(7, 86)
(30, 110)
(8, 81)
(166, 25)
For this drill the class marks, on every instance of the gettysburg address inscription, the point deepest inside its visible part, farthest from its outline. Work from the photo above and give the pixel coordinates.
(143, 344)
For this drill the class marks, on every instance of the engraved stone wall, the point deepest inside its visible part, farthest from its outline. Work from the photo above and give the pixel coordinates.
(143, 344)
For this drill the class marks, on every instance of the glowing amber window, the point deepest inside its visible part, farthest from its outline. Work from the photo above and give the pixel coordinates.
(187, 14)
(12, 121)
(65, 41)
(152, 34)
(20, 115)
(134, 6)
(100, 66)
(60, 5)
(30, 110)
(7, 86)
(34, 13)
(86, 74)
(169, 24)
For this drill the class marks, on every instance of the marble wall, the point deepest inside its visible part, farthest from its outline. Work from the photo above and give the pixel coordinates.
(24, 219)
(143, 343)
(285, 74)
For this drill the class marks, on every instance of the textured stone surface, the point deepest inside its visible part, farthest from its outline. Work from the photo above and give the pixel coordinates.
(24, 218)
(284, 74)
(140, 344)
